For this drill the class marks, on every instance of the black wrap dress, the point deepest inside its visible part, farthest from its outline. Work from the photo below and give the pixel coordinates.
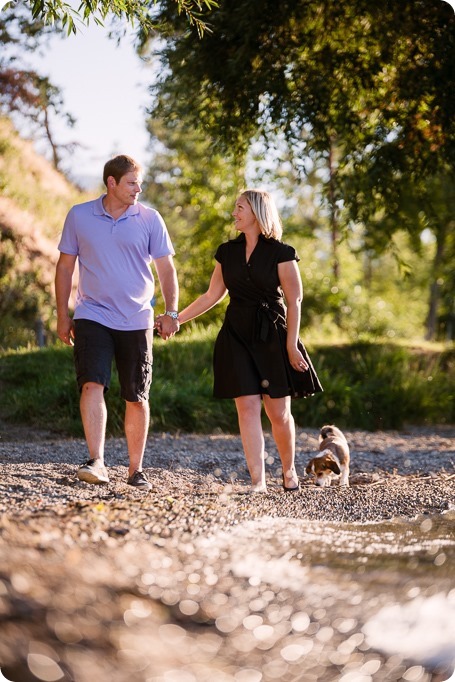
(250, 356)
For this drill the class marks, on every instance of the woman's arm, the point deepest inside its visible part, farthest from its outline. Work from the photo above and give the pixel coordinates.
(214, 294)
(291, 284)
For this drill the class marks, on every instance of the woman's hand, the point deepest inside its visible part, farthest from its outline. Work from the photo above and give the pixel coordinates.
(297, 360)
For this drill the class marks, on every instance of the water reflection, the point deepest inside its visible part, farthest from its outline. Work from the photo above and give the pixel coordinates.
(274, 599)
(375, 601)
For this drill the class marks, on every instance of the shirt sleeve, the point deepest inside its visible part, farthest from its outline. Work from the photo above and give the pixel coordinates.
(160, 243)
(68, 241)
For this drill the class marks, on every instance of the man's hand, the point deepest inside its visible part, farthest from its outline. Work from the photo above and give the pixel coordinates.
(166, 326)
(65, 330)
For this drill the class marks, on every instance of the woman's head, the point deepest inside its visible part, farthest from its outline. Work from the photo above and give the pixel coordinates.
(265, 211)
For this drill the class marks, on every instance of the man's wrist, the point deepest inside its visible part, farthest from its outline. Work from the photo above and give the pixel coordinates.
(172, 314)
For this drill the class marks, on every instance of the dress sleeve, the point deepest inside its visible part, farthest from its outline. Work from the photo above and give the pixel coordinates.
(287, 253)
(219, 253)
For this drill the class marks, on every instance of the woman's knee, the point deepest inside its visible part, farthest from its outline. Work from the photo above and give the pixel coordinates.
(278, 411)
(248, 406)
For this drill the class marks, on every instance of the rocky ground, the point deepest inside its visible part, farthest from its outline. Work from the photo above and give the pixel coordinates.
(200, 581)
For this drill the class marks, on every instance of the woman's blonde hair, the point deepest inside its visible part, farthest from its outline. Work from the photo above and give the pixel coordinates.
(265, 211)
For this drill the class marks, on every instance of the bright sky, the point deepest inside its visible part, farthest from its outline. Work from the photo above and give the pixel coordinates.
(105, 87)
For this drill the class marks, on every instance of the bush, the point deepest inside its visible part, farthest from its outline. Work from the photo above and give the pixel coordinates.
(366, 385)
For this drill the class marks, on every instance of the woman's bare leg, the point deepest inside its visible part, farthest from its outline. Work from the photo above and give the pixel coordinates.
(249, 414)
(278, 411)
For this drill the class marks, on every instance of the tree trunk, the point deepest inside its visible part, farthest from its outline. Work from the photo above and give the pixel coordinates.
(47, 128)
(432, 317)
(334, 231)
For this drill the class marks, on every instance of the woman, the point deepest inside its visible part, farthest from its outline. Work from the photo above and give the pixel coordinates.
(258, 356)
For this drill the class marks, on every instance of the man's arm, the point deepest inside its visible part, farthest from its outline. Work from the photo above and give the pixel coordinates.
(169, 285)
(63, 283)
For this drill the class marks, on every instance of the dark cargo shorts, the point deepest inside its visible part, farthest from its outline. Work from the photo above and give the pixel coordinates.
(96, 346)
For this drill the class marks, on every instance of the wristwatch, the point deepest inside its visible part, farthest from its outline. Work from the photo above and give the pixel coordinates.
(172, 313)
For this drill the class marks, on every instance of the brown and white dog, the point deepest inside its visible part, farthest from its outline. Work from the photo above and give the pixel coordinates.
(333, 459)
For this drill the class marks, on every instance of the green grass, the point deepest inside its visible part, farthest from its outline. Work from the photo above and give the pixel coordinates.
(367, 385)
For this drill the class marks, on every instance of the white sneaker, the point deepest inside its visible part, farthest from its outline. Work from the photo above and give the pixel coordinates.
(93, 472)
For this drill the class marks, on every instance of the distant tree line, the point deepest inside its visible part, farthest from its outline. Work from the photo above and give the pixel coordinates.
(361, 92)
(347, 109)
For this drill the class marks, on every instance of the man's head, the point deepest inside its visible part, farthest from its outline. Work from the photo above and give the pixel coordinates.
(118, 167)
(123, 179)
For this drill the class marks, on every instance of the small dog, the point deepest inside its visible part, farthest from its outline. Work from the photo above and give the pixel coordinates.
(333, 458)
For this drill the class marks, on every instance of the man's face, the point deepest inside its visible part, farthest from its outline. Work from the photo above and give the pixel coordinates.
(127, 190)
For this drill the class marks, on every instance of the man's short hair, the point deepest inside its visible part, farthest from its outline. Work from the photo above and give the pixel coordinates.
(118, 167)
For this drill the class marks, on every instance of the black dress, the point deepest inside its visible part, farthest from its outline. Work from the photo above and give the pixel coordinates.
(250, 356)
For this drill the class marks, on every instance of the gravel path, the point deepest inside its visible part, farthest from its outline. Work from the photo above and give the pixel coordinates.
(392, 474)
(200, 581)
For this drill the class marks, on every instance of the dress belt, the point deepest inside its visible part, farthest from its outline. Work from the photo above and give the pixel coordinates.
(266, 316)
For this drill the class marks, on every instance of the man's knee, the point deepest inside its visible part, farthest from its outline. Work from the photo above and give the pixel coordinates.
(137, 404)
(92, 387)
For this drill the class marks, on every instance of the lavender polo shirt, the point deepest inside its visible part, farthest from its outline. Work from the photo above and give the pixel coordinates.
(116, 284)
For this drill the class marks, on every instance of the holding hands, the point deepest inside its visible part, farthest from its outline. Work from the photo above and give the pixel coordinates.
(167, 324)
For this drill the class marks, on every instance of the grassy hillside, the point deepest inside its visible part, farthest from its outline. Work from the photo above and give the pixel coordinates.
(34, 200)
(367, 385)
(31, 186)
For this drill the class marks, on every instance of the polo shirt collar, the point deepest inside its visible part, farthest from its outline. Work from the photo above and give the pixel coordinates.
(98, 208)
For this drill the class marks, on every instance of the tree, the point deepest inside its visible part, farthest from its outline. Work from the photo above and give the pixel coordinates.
(25, 27)
(369, 84)
(23, 92)
(34, 97)
(194, 189)
(137, 12)
(320, 72)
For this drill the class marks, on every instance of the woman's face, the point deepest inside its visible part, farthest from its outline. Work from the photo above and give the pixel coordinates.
(244, 218)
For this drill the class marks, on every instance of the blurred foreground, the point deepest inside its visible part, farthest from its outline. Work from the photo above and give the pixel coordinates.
(200, 582)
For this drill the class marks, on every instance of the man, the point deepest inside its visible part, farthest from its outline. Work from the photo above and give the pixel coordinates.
(114, 239)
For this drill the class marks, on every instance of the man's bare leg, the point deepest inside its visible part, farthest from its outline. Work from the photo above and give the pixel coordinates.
(94, 418)
(137, 420)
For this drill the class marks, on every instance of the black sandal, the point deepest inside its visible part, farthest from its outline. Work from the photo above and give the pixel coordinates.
(291, 490)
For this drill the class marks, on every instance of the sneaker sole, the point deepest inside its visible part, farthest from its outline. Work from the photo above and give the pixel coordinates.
(140, 487)
(89, 477)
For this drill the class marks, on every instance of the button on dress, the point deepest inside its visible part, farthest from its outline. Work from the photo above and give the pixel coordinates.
(250, 356)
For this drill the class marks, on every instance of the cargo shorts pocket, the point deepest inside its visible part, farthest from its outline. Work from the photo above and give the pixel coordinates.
(144, 380)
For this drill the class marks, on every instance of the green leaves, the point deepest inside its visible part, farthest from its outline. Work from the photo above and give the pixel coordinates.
(136, 12)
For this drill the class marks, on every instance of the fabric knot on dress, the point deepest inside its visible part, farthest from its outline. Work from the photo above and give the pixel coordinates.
(265, 319)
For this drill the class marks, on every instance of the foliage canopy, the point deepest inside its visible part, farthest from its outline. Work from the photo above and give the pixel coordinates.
(362, 91)
(137, 12)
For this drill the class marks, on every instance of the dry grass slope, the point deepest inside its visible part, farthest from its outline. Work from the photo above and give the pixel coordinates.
(34, 201)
